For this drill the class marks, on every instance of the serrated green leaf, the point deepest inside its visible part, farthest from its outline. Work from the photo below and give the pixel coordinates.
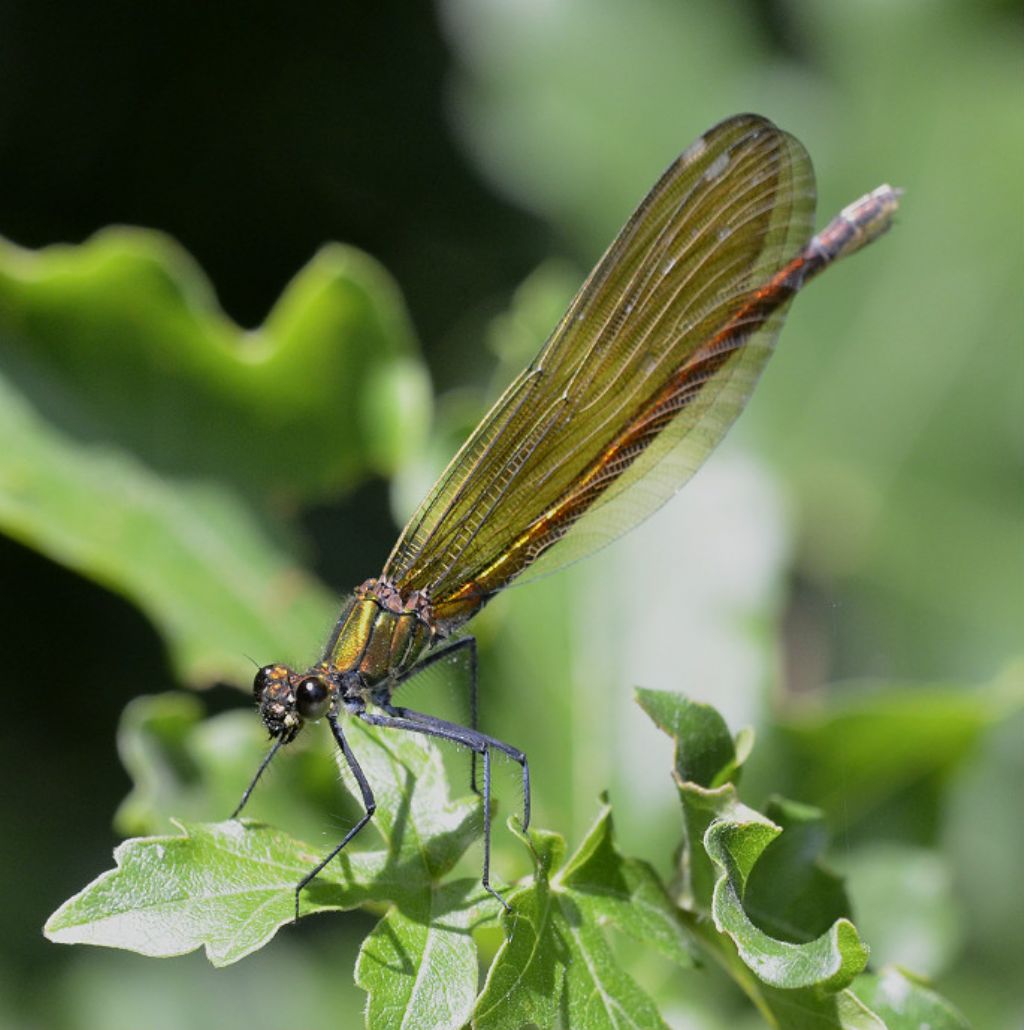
(625, 893)
(419, 965)
(831, 961)
(222, 886)
(705, 752)
(706, 760)
(230, 886)
(526, 979)
(733, 841)
(129, 407)
(556, 968)
(598, 992)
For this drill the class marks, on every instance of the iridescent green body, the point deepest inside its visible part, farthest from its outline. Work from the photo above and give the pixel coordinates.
(380, 635)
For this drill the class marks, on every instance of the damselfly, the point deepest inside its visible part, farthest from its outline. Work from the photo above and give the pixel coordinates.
(651, 364)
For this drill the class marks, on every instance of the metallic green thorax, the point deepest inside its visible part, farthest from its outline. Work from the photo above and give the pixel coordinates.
(381, 634)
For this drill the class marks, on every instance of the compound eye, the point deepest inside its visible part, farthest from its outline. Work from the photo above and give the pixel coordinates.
(312, 698)
(263, 679)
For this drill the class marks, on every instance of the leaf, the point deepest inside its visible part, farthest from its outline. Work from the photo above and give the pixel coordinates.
(556, 968)
(129, 407)
(872, 740)
(705, 757)
(908, 905)
(625, 893)
(419, 965)
(154, 745)
(984, 847)
(125, 327)
(734, 840)
(705, 752)
(223, 886)
(229, 886)
(812, 1010)
(200, 564)
(906, 1004)
(789, 892)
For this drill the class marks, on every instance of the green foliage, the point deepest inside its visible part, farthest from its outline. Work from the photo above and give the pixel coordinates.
(556, 964)
(137, 425)
(896, 735)
(724, 842)
(229, 887)
(905, 1003)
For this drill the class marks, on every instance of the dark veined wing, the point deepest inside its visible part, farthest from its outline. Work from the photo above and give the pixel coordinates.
(642, 377)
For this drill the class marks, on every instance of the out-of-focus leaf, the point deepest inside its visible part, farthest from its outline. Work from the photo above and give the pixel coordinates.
(154, 745)
(556, 968)
(535, 309)
(983, 840)
(905, 1003)
(570, 143)
(129, 413)
(120, 341)
(871, 741)
(193, 557)
(907, 906)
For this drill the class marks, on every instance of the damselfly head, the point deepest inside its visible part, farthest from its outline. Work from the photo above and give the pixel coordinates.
(288, 699)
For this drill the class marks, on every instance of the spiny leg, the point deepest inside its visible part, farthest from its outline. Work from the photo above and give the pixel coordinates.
(474, 735)
(480, 743)
(467, 738)
(474, 711)
(445, 651)
(369, 803)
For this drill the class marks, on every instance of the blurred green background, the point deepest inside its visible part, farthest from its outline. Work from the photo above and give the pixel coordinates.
(845, 574)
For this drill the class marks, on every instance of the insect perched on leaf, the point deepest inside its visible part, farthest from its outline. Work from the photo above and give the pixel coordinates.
(655, 358)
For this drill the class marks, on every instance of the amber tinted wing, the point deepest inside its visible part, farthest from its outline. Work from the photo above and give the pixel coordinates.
(642, 377)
